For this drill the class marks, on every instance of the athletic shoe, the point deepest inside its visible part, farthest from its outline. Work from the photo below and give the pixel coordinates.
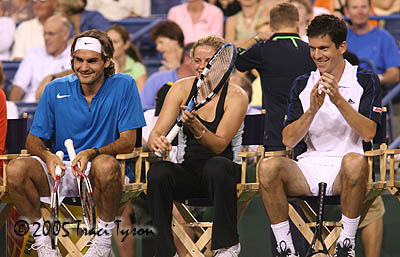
(283, 251)
(97, 249)
(345, 249)
(44, 249)
(232, 251)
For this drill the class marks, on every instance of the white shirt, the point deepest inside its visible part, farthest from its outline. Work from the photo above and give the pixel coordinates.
(36, 65)
(7, 32)
(118, 10)
(28, 34)
(329, 126)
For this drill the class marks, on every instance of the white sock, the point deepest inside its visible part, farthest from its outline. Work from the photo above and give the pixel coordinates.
(37, 232)
(349, 229)
(282, 233)
(104, 231)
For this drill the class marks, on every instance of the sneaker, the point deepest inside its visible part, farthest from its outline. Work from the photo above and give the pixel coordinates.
(44, 249)
(232, 251)
(344, 249)
(283, 251)
(97, 249)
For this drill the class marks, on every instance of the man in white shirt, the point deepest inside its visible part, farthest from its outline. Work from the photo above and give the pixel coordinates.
(30, 33)
(44, 61)
(332, 110)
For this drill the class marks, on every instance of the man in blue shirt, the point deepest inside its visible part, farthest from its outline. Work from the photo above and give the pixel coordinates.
(372, 43)
(100, 111)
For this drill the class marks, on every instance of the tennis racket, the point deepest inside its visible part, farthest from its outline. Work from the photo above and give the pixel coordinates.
(85, 190)
(318, 229)
(54, 222)
(214, 76)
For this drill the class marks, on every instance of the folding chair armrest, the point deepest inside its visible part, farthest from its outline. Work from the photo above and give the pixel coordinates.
(392, 151)
(127, 156)
(372, 153)
(282, 153)
(249, 154)
(8, 157)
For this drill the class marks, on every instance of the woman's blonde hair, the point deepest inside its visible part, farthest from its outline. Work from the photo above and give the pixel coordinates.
(211, 40)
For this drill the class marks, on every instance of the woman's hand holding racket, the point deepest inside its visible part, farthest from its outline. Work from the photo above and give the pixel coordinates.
(214, 76)
(162, 144)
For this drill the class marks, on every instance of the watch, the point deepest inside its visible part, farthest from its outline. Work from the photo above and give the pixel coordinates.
(96, 150)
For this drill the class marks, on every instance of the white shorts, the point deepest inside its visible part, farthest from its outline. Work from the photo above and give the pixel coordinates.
(320, 169)
(69, 184)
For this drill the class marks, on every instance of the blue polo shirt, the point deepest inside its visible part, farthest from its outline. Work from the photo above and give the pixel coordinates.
(378, 45)
(63, 113)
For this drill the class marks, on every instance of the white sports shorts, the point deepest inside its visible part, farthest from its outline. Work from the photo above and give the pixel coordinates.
(320, 169)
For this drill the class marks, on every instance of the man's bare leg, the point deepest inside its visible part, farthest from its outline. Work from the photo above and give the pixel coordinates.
(105, 174)
(26, 183)
(280, 177)
(107, 188)
(351, 184)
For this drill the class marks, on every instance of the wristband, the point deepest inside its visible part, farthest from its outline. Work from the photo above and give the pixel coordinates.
(257, 39)
(202, 134)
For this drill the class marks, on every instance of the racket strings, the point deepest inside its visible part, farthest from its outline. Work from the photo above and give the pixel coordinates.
(87, 203)
(220, 64)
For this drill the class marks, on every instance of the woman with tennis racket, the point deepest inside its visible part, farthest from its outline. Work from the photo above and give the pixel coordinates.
(209, 140)
(100, 111)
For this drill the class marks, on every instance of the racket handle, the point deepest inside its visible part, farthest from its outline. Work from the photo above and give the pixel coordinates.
(170, 137)
(321, 201)
(69, 144)
(60, 155)
(174, 131)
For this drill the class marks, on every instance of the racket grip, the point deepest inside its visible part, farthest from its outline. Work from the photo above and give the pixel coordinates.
(60, 155)
(170, 137)
(321, 201)
(69, 144)
(174, 131)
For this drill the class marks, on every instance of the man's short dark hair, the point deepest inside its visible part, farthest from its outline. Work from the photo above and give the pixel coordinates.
(167, 29)
(327, 24)
(284, 15)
